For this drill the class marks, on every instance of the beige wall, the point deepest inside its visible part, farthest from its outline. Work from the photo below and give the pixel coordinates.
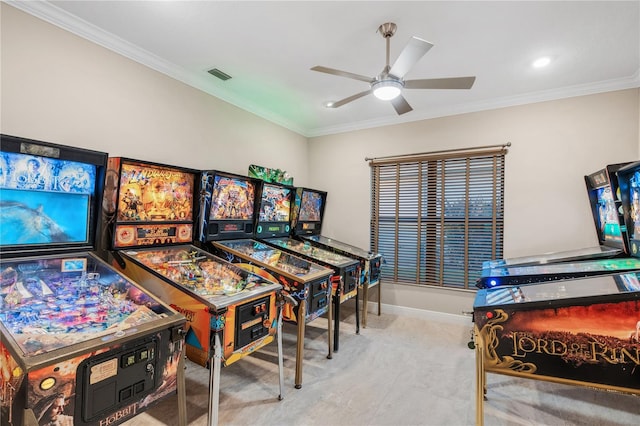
(554, 144)
(60, 88)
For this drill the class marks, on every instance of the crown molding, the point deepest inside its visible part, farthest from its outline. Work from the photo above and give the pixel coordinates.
(510, 101)
(60, 18)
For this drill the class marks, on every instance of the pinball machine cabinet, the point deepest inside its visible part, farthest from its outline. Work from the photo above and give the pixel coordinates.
(80, 343)
(583, 332)
(306, 225)
(370, 264)
(230, 312)
(227, 217)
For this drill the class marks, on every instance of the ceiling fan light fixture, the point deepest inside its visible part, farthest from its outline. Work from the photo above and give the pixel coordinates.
(386, 90)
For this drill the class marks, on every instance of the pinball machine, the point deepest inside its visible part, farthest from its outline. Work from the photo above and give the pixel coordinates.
(583, 332)
(606, 207)
(227, 229)
(607, 200)
(567, 326)
(308, 214)
(230, 312)
(80, 342)
(273, 227)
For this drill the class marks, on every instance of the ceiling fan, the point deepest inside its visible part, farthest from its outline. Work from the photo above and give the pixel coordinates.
(389, 83)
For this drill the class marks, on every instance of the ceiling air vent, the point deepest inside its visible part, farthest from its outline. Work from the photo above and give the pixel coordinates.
(217, 73)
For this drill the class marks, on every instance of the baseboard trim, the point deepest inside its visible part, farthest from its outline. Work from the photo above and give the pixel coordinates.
(419, 313)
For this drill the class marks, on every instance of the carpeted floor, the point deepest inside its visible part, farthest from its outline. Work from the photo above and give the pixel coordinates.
(400, 370)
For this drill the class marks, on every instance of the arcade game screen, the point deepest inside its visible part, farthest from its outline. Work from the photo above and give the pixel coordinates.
(150, 194)
(147, 204)
(232, 198)
(44, 200)
(608, 216)
(310, 207)
(275, 204)
(634, 204)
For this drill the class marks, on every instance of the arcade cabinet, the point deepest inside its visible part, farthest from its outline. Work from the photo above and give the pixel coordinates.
(606, 207)
(523, 331)
(230, 312)
(609, 217)
(308, 214)
(273, 227)
(227, 220)
(80, 343)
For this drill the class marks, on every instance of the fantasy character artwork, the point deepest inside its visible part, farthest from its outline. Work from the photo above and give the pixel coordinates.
(270, 175)
(276, 205)
(44, 200)
(572, 343)
(634, 188)
(232, 199)
(310, 206)
(608, 215)
(150, 194)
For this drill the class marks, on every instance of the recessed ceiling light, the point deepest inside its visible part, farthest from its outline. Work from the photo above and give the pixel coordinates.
(541, 62)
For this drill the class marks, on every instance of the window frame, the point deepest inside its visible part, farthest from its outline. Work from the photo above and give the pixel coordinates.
(423, 184)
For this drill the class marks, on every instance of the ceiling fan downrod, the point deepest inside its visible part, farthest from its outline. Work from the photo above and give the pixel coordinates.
(387, 30)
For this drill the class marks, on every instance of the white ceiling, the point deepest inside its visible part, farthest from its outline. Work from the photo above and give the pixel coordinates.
(268, 47)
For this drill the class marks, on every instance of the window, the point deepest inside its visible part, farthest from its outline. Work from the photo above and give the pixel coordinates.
(436, 217)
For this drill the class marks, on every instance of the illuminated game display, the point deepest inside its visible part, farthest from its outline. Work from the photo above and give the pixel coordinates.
(148, 204)
(608, 216)
(308, 211)
(606, 203)
(228, 208)
(527, 274)
(79, 339)
(582, 332)
(44, 200)
(274, 215)
(629, 181)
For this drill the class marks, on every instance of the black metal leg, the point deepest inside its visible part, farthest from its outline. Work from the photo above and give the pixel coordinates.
(357, 313)
(336, 321)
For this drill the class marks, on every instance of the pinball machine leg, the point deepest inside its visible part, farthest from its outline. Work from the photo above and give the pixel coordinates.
(481, 378)
(336, 320)
(214, 380)
(329, 328)
(365, 302)
(379, 285)
(280, 363)
(182, 392)
(357, 311)
(302, 310)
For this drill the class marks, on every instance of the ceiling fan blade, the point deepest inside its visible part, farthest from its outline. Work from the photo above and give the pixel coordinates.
(441, 83)
(342, 73)
(412, 52)
(401, 105)
(349, 99)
